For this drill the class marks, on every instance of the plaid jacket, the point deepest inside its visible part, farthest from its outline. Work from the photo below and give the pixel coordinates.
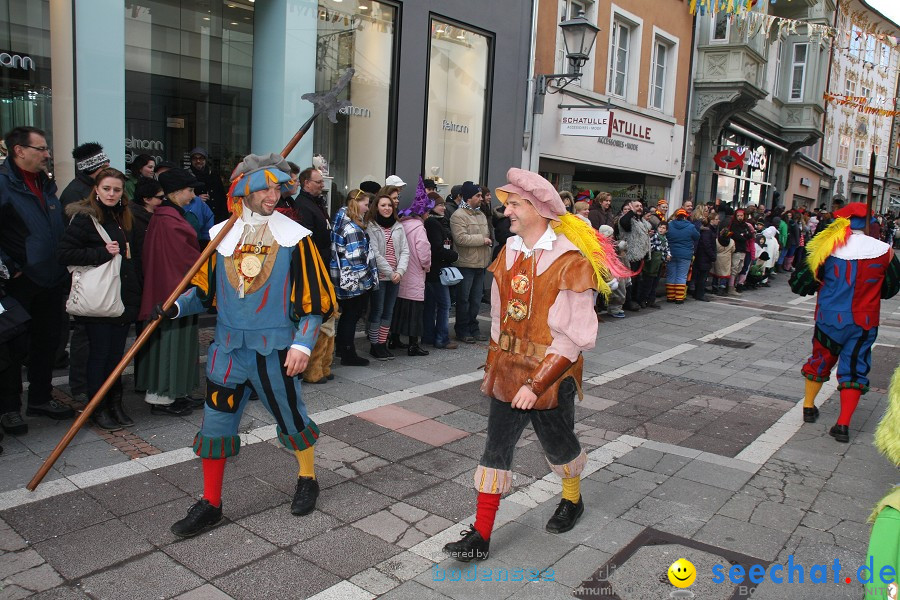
(352, 267)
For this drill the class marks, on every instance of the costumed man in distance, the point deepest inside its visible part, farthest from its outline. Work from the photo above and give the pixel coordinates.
(542, 319)
(272, 292)
(852, 273)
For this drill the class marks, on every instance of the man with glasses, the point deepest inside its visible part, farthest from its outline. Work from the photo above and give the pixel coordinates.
(31, 224)
(311, 211)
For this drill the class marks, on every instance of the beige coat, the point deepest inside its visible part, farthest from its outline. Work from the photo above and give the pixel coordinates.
(469, 228)
(722, 267)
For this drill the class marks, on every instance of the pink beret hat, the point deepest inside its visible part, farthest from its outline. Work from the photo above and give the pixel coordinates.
(535, 189)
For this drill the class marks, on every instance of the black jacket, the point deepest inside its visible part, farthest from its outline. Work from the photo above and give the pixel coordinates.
(501, 229)
(438, 231)
(141, 221)
(212, 185)
(81, 244)
(310, 212)
(705, 255)
(78, 189)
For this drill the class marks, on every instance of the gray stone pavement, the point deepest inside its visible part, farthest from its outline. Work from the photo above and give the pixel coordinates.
(695, 444)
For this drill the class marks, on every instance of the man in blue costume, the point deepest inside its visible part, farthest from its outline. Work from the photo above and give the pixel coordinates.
(272, 292)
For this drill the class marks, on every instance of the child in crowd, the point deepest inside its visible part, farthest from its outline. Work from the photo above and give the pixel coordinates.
(617, 297)
(722, 268)
(655, 267)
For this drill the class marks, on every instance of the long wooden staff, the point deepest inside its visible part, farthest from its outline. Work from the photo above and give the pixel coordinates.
(327, 104)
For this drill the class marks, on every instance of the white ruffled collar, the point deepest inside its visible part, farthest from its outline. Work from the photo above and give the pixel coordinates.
(285, 230)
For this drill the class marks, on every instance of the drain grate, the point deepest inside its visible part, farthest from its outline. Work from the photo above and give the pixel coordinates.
(730, 343)
(638, 571)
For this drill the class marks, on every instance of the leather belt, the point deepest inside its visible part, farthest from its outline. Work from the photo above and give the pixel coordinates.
(510, 343)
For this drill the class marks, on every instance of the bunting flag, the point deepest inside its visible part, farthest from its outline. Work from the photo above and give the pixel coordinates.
(741, 12)
(861, 105)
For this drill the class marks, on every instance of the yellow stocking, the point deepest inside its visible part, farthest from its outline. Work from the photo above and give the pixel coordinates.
(305, 458)
(571, 489)
(812, 388)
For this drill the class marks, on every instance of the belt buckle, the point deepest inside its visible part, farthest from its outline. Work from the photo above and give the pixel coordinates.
(530, 349)
(505, 342)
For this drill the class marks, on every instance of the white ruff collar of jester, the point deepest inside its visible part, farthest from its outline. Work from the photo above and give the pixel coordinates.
(285, 230)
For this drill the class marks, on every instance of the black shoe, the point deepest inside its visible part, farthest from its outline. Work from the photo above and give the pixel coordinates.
(653, 305)
(200, 517)
(810, 414)
(62, 361)
(416, 351)
(379, 352)
(840, 433)
(53, 409)
(305, 496)
(349, 358)
(701, 299)
(329, 377)
(471, 547)
(394, 343)
(632, 306)
(179, 408)
(480, 337)
(194, 402)
(118, 411)
(566, 516)
(103, 419)
(13, 423)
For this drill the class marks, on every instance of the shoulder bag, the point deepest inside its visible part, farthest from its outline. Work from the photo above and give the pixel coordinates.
(97, 290)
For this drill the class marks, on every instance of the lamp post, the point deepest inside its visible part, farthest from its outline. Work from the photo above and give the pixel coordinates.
(579, 36)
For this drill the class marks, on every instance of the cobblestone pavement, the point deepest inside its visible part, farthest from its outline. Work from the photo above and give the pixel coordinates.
(696, 448)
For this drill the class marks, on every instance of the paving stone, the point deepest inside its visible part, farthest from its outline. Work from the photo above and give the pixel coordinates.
(250, 495)
(777, 516)
(399, 481)
(350, 501)
(204, 592)
(448, 499)
(754, 540)
(441, 463)
(352, 429)
(462, 395)
(280, 575)
(17, 562)
(10, 541)
(491, 577)
(374, 581)
(134, 493)
(577, 565)
(715, 475)
(278, 526)
(36, 579)
(614, 536)
(471, 446)
(740, 507)
(404, 566)
(13, 592)
(357, 550)
(428, 406)
(235, 547)
(698, 495)
(413, 591)
(661, 433)
(465, 420)
(156, 572)
(842, 506)
(110, 542)
(395, 447)
(55, 516)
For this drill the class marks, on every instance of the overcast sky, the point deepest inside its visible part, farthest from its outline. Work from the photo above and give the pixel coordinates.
(889, 8)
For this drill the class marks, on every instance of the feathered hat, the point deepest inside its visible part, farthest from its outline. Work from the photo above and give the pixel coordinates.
(254, 174)
(836, 235)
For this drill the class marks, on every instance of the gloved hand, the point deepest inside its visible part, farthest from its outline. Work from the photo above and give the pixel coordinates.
(159, 311)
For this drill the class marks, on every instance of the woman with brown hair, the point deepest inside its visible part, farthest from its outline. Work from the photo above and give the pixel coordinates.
(388, 240)
(353, 272)
(81, 245)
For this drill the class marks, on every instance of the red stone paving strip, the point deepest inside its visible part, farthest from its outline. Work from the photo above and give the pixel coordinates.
(125, 441)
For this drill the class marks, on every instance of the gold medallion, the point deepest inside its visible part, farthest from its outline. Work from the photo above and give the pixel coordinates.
(250, 265)
(520, 283)
(516, 309)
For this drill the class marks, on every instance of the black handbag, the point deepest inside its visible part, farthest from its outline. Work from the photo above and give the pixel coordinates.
(13, 320)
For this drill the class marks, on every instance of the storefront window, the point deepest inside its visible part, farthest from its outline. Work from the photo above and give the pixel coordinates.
(358, 35)
(188, 78)
(741, 170)
(25, 64)
(457, 102)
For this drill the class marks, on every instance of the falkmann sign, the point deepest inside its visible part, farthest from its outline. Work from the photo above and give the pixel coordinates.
(591, 123)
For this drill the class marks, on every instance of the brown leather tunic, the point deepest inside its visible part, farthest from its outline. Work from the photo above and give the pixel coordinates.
(523, 344)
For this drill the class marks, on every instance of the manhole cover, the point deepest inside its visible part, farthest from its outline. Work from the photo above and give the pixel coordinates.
(639, 571)
(788, 318)
(730, 343)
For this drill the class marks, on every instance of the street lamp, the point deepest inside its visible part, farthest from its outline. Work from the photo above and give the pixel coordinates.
(579, 36)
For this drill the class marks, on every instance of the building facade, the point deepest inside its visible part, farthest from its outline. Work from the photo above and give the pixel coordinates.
(639, 71)
(163, 76)
(757, 105)
(865, 68)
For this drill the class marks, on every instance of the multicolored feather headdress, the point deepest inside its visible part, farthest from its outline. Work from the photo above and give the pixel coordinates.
(254, 174)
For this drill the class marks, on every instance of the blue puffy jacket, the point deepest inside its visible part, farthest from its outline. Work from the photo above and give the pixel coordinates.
(681, 237)
(29, 232)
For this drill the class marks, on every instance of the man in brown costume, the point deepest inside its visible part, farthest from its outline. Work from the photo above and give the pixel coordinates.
(542, 319)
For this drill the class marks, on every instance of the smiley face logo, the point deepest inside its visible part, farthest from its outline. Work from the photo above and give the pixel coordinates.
(682, 573)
